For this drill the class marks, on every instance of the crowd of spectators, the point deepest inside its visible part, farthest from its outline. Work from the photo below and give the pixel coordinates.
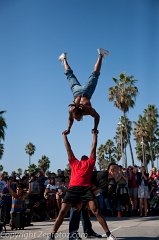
(37, 194)
(134, 192)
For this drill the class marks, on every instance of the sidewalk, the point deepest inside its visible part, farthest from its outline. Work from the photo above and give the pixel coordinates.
(123, 228)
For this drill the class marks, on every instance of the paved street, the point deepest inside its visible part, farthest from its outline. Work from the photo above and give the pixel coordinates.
(124, 229)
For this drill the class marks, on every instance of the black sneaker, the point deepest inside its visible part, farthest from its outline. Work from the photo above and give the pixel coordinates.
(50, 236)
(93, 235)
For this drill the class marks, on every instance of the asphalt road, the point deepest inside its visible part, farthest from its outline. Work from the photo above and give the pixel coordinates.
(146, 228)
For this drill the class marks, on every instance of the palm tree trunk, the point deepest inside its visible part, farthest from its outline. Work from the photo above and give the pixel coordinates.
(152, 162)
(126, 162)
(143, 153)
(29, 160)
(128, 139)
(109, 157)
(121, 142)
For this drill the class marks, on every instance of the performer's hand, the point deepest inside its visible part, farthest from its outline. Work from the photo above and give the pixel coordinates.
(66, 132)
(95, 131)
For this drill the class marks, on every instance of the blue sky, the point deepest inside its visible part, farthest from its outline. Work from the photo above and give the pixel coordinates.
(34, 90)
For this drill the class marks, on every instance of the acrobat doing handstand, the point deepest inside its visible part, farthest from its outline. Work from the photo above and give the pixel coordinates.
(82, 93)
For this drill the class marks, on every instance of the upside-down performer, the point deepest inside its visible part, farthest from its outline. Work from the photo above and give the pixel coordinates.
(82, 93)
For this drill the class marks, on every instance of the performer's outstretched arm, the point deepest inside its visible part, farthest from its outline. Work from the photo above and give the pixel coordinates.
(67, 146)
(96, 117)
(70, 123)
(94, 146)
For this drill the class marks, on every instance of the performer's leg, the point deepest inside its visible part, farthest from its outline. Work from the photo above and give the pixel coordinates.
(98, 64)
(73, 82)
(93, 205)
(90, 86)
(66, 65)
(102, 53)
(64, 209)
(86, 223)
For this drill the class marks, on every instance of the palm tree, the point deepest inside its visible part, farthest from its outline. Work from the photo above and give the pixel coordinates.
(117, 152)
(25, 172)
(1, 168)
(140, 136)
(106, 154)
(1, 150)
(157, 152)
(3, 126)
(146, 134)
(121, 138)
(5, 174)
(30, 149)
(123, 94)
(33, 169)
(44, 163)
(109, 150)
(101, 157)
(151, 116)
(67, 169)
(19, 172)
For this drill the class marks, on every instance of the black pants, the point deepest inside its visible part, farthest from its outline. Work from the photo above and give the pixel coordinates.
(75, 217)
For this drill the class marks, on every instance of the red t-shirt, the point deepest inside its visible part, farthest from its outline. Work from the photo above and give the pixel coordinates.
(81, 171)
(154, 175)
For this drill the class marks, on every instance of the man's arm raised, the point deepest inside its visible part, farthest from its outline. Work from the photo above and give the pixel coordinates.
(67, 146)
(94, 145)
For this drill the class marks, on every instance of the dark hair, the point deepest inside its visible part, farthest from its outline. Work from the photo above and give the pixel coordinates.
(84, 157)
(79, 111)
(21, 186)
(130, 167)
(111, 164)
(32, 174)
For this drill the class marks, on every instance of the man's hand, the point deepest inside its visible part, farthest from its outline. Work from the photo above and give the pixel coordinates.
(66, 132)
(95, 131)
